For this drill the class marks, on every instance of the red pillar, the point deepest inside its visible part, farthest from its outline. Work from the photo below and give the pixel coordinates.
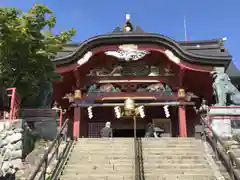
(76, 122)
(182, 121)
(77, 110)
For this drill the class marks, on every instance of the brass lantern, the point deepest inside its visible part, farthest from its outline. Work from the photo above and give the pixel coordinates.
(129, 107)
(129, 104)
(77, 94)
(181, 94)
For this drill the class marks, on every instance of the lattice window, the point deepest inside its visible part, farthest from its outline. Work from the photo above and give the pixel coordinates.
(94, 129)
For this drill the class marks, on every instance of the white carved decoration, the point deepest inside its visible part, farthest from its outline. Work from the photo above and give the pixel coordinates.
(128, 53)
(219, 69)
(171, 56)
(85, 58)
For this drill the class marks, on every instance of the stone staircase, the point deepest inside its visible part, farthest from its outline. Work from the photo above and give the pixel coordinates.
(101, 159)
(163, 159)
(177, 158)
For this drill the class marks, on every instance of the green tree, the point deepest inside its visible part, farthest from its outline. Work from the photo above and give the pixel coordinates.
(27, 48)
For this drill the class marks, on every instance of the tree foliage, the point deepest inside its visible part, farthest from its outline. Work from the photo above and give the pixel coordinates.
(27, 48)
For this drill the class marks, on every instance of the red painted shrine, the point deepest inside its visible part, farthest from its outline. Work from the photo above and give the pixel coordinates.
(149, 68)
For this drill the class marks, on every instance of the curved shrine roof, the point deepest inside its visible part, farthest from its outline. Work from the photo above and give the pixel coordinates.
(201, 52)
(213, 47)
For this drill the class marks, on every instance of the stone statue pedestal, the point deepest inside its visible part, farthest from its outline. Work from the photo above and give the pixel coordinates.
(221, 117)
(42, 121)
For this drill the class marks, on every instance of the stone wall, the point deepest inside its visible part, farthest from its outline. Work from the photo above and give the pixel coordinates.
(11, 146)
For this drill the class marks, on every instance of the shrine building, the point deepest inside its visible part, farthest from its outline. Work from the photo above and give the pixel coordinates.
(167, 77)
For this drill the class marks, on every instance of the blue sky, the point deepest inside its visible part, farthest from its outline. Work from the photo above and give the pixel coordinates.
(206, 19)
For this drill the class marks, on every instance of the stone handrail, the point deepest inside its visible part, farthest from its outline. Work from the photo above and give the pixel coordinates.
(228, 158)
(41, 172)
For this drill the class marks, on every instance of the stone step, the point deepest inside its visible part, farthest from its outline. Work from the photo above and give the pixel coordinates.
(99, 141)
(106, 156)
(157, 153)
(131, 158)
(172, 157)
(174, 146)
(172, 150)
(132, 177)
(96, 155)
(178, 166)
(164, 140)
(178, 171)
(179, 177)
(194, 146)
(112, 147)
(99, 171)
(102, 159)
(110, 170)
(174, 161)
(170, 139)
(197, 148)
(106, 139)
(164, 143)
(105, 145)
(105, 142)
(177, 153)
(103, 165)
(102, 155)
(169, 144)
(124, 161)
(98, 177)
(104, 150)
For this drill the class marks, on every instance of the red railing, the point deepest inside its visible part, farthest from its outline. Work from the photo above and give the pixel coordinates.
(14, 104)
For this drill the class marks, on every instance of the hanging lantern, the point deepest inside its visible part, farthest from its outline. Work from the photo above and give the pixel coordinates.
(129, 104)
(181, 94)
(77, 94)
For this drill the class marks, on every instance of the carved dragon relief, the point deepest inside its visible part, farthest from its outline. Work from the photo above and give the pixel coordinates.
(164, 89)
(135, 69)
(105, 88)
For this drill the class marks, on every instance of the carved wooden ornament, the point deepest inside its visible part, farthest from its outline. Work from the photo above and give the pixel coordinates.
(128, 52)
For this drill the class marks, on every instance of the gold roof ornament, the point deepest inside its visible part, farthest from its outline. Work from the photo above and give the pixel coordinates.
(128, 27)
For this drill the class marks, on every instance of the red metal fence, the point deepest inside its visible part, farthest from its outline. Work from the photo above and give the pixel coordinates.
(14, 104)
